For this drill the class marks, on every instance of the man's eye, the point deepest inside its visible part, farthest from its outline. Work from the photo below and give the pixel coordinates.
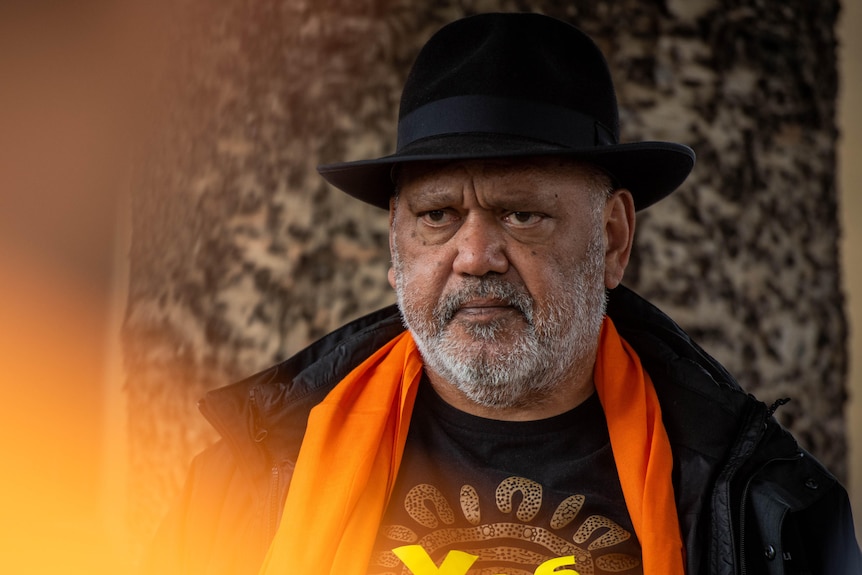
(435, 216)
(523, 218)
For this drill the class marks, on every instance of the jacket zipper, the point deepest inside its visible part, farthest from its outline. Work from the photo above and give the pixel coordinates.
(272, 512)
(742, 562)
(272, 520)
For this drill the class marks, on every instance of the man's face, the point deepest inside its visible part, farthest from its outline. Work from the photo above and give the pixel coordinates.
(499, 271)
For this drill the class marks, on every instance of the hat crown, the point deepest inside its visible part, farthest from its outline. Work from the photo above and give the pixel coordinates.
(515, 56)
(514, 85)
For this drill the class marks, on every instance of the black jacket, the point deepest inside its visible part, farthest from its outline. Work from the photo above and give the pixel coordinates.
(749, 499)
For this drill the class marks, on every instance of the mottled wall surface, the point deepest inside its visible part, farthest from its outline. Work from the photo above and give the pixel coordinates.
(746, 256)
(241, 254)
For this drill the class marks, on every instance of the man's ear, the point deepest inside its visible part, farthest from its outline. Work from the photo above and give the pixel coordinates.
(391, 274)
(619, 221)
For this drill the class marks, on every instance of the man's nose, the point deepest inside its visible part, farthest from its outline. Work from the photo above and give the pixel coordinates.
(481, 247)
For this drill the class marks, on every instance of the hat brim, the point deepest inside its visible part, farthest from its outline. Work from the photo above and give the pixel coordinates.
(650, 170)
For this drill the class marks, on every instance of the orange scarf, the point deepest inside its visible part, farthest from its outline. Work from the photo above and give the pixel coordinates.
(346, 467)
(641, 450)
(355, 439)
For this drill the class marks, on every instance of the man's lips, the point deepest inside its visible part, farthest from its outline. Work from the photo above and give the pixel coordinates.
(485, 309)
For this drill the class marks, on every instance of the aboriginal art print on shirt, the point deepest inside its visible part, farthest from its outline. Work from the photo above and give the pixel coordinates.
(484, 497)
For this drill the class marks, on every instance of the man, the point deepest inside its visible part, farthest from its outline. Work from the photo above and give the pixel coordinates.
(535, 416)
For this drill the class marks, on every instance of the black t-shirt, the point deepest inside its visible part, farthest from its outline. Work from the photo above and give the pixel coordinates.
(513, 494)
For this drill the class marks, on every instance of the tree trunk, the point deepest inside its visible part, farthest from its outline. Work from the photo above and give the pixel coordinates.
(241, 254)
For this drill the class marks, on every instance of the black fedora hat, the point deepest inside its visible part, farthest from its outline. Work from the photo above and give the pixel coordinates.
(514, 85)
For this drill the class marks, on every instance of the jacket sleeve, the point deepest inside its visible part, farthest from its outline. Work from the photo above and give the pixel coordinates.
(214, 528)
(825, 534)
(798, 518)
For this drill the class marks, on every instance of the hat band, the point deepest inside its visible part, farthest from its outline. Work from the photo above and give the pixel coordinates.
(492, 115)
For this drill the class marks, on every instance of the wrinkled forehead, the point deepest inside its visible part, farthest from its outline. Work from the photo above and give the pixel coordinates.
(430, 174)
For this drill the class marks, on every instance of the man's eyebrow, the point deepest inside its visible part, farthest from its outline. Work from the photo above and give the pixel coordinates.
(434, 192)
(514, 197)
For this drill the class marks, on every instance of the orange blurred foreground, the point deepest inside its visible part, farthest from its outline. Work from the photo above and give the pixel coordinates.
(57, 488)
(71, 103)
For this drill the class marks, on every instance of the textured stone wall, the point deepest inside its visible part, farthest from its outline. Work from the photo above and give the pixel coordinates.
(241, 254)
(746, 256)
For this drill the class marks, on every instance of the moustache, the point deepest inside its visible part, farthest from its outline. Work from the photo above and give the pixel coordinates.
(484, 288)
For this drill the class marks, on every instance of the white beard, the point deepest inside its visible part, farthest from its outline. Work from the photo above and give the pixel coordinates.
(558, 343)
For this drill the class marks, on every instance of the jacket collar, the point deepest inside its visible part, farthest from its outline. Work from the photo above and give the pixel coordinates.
(264, 416)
